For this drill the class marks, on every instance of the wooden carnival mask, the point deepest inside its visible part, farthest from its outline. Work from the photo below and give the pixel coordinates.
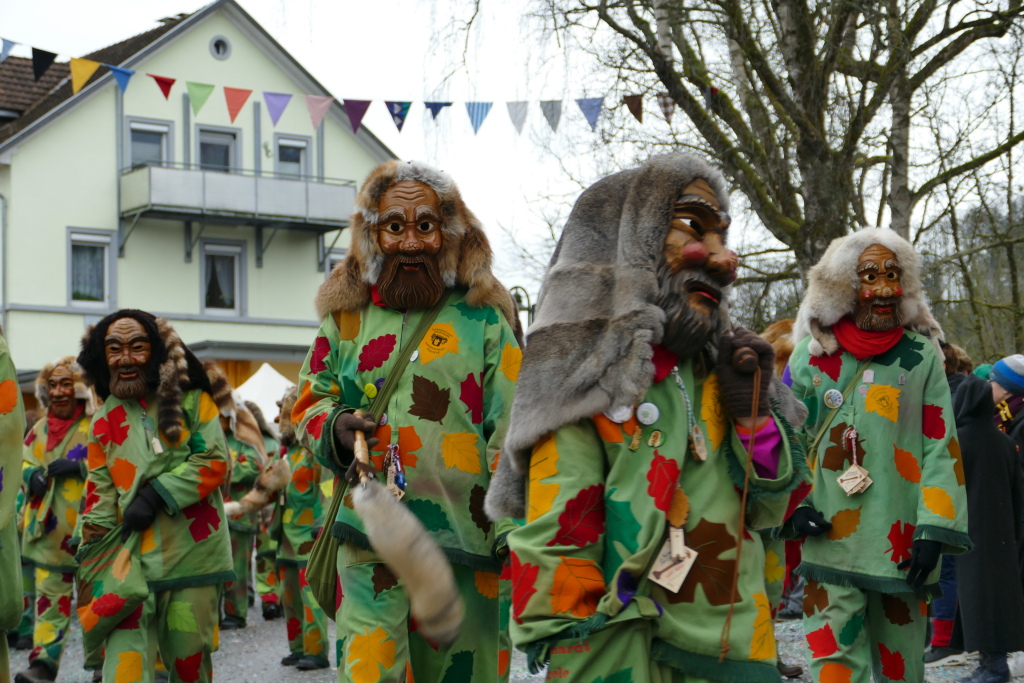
(61, 390)
(409, 234)
(878, 296)
(129, 351)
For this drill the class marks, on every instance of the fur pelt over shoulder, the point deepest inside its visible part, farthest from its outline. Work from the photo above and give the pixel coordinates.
(83, 391)
(832, 286)
(241, 421)
(465, 256)
(590, 345)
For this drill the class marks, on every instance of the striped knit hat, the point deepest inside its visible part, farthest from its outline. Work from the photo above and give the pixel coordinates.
(1009, 373)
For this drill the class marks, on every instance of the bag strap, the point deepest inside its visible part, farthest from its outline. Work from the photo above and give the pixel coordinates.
(813, 449)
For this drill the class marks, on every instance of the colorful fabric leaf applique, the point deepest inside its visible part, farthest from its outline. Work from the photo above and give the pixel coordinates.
(907, 353)
(774, 570)
(204, 519)
(315, 426)
(461, 668)
(483, 314)
(376, 352)
(368, 653)
(429, 401)
(831, 365)
(620, 676)
(712, 411)
(662, 476)
(883, 400)
(901, 538)
(938, 502)
(408, 443)
(113, 427)
(524, 576)
(211, 476)
(321, 347)
(129, 667)
(577, 587)
(844, 523)
(582, 521)
(834, 672)
(622, 525)
(9, 393)
(430, 513)
(180, 617)
(822, 642)
(511, 360)
(711, 571)
(836, 457)
(472, 394)
(762, 643)
(896, 610)
(123, 473)
(906, 465)
(188, 667)
(348, 323)
(853, 627)
(459, 450)
(383, 579)
(543, 464)
(933, 425)
(476, 508)
(439, 341)
(893, 665)
(486, 584)
(953, 446)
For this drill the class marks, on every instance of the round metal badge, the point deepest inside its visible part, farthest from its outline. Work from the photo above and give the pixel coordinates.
(620, 414)
(647, 413)
(833, 398)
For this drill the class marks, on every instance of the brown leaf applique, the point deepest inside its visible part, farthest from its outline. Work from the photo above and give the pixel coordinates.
(836, 458)
(476, 508)
(897, 611)
(815, 597)
(429, 401)
(711, 572)
(383, 580)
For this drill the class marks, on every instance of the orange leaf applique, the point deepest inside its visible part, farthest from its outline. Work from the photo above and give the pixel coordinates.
(883, 400)
(302, 403)
(96, 456)
(938, 501)
(486, 584)
(834, 672)
(958, 462)
(906, 464)
(577, 587)
(368, 652)
(543, 464)
(87, 617)
(148, 541)
(122, 563)
(408, 441)
(712, 412)
(211, 476)
(123, 473)
(844, 523)
(460, 451)
(8, 396)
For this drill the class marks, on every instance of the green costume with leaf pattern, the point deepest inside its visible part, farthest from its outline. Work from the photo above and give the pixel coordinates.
(12, 430)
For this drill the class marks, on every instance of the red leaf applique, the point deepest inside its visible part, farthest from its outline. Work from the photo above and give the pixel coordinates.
(523, 578)
(932, 423)
(91, 497)
(376, 352)
(107, 605)
(822, 642)
(582, 521)
(294, 628)
(64, 605)
(188, 667)
(901, 540)
(205, 519)
(321, 347)
(830, 365)
(112, 427)
(662, 476)
(893, 666)
(472, 395)
(131, 621)
(43, 604)
(315, 426)
(30, 438)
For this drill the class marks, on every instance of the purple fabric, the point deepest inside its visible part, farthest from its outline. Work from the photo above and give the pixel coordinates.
(767, 446)
(78, 453)
(787, 377)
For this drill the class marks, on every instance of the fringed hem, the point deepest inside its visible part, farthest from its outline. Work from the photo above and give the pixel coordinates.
(703, 666)
(346, 533)
(192, 581)
(797, 455)
(537, 652)
(879, 584)
(956, 542)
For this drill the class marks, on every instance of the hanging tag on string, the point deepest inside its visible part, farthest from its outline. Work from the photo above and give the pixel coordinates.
(697, 444)
(157, 446)
(668, 572)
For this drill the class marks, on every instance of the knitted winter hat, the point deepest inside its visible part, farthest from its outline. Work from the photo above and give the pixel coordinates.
(82, 390)
(983, 371)
(1009, 373)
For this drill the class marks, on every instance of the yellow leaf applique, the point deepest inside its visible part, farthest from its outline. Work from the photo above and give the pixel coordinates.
(773, 569)
(72, 490)
(938, 501)
(129, 667)
(83, 427)
(906, 465)
(45, 632)
(312, 642)
(368, 652)
(288, 514)
(511, 360)
(148, 540)
(762, 643)
(439, 341)
(577, 587)
(39, 450)
(884, 400)
(844, 523)
(71, 515)
(41, 574)
(958, 461)
(207, 408)
(543, 464)
(712, 412)
(486, 584)
(459, 450)
(348, 323)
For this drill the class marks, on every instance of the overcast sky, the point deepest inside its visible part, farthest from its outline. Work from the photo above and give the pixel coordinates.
(392, 50)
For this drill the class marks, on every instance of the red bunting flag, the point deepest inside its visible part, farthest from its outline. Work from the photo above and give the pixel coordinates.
(165, 84)
(236, 99)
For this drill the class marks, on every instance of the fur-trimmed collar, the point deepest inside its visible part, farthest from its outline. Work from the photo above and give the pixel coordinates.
(83, 391)
(465, 257)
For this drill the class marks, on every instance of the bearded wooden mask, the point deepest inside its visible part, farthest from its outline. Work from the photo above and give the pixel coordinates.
(878, 296)
(129, 351)
(409, 234)
(61, 392)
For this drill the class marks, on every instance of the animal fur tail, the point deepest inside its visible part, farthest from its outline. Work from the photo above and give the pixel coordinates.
(272, 480)
(411, 554)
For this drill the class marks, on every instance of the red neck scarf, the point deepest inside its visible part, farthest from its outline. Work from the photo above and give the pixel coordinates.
(57, 428)
(864, 343)
(664, 360)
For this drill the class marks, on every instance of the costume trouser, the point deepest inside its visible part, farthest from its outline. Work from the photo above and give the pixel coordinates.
(774, 570)
(10, 596)
(236, 596)
(305, 621)
(28, 588)
(944, 607)
(182, 623)
(267, 585)
(374, 629)
(54, 593)
(853, 634)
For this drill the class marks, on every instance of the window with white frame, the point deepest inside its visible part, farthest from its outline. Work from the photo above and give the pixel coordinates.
(149, 144)
(218, 150)
(292, 157)
(222, 278)
(89, 274)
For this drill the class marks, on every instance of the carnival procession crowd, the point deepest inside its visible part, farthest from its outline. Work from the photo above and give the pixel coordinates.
(631, 498)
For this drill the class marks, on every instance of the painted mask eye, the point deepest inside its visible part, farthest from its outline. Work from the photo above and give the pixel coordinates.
(870, 277)
(394, 228)
(891, 275)
(426, 226)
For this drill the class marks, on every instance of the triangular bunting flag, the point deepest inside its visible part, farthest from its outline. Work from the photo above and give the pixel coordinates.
(668, 106)
(122, 76)
(165, 84)
(517, 112)
(81, 71)
(41, 61)
(355, 109)
(198, 93)
(276, 103)
(236, 99)
(6, 49)
(436, 107)
(552, 110)
(398, 111)
(591, 108)
(317, 107)
(477, 113)
(635, 104)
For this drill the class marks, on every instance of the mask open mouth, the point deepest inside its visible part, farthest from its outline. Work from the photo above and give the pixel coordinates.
(707, 291)
(411, 264)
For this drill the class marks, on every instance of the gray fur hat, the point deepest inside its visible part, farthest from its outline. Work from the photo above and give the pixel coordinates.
(832, 286)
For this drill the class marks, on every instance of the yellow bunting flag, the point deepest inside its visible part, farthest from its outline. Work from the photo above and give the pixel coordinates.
(81, 71)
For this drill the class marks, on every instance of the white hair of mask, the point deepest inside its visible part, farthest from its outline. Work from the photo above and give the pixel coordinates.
(833, 285)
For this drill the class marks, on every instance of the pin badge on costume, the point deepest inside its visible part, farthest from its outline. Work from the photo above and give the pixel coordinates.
(817, 380)
(655, 439)
(668, 572)
(869, 376)
(634, 444)
(415, 355)
(862, 390)
(833, 398)
(370, 390)
(383, 419)
(620, 414)
(647, 413)
(903, 380)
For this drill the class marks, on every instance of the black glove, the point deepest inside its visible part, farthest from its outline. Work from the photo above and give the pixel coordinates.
(345, 428)
(37, 483)
(736, 387)
(62, 467)
(924, 557)
(809, 521)
(141, 512)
